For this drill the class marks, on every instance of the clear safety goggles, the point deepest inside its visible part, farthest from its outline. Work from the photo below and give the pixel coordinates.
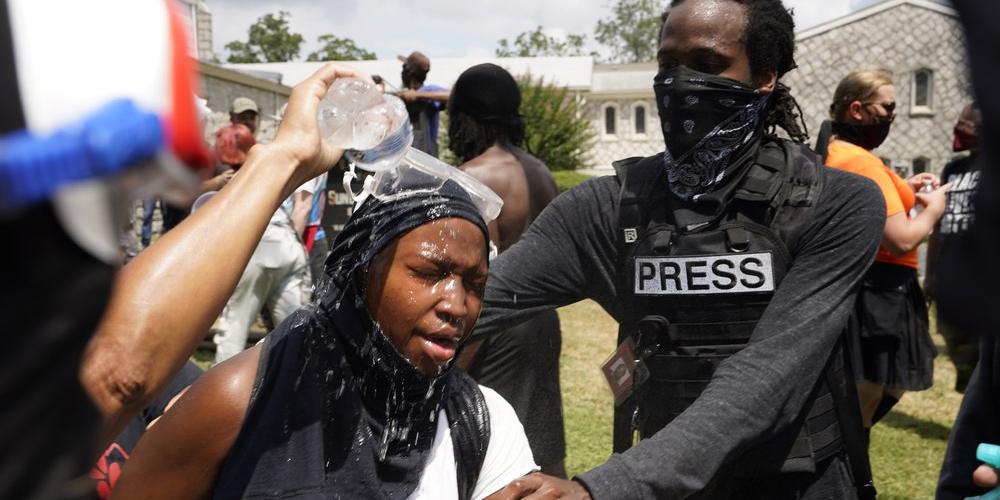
(421, 173)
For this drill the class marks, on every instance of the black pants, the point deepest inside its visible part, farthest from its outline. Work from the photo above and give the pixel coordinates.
(522, 365)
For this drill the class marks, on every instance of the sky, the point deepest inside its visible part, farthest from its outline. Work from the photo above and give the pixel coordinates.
(446, 28)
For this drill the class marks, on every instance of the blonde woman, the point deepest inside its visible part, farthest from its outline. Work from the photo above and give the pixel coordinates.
(893, 351)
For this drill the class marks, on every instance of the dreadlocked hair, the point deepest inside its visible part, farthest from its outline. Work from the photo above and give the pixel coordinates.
(469, 137)
(769, 36)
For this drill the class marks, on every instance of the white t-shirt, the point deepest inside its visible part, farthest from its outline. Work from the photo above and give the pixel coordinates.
(508, 456)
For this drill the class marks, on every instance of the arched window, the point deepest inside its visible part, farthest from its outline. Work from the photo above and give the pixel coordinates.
(921, 165)
(923, 90)
(640, 119)
(610, 120)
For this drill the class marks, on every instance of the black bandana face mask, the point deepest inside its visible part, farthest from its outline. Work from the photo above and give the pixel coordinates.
(866, 135)
(706, 120)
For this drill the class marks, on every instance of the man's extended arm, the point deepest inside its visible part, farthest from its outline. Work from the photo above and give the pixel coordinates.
(438, 96)
(759, 392)
(165, 300)
(568, 254)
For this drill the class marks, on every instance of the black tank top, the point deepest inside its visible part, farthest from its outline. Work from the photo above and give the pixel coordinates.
(331, 418)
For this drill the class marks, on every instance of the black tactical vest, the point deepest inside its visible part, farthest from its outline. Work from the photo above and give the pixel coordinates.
(695, 294)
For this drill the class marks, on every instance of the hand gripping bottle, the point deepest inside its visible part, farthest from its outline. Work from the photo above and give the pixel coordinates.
(990, 455)
(374, 128)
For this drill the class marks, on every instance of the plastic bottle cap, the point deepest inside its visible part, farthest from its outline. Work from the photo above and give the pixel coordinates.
(989, 454)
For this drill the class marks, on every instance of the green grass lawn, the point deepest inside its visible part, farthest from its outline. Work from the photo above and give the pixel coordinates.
(566, 179)
(907, 447)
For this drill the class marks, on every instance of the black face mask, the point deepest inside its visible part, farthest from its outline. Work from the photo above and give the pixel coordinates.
(706, 121)
(866, 135)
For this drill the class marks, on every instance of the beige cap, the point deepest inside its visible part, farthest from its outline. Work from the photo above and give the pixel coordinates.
(241, 104)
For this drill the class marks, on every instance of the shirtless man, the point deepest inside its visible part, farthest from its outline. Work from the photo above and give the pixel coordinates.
(522, 365)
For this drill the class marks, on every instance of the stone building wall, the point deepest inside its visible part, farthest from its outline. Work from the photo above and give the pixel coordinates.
(625, 142)
(203, 33)
(900, 40)
(199, 19)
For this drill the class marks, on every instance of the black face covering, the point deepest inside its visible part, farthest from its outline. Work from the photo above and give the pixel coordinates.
(707, 121)
(338, 411)
(866, 135)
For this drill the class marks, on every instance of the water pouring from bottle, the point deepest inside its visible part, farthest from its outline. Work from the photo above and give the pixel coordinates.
(373, 127)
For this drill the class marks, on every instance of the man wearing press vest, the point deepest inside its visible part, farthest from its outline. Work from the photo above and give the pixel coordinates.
(731, 263)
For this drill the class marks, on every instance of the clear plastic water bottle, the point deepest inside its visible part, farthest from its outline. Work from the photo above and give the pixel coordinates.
(374, 128)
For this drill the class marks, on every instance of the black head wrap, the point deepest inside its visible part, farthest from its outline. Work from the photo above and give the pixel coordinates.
(337, 410)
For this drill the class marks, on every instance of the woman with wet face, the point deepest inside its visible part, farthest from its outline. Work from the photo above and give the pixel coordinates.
(892, 348)
(356, 396)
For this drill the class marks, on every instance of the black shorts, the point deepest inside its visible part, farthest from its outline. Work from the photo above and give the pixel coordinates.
(522, 365)
(889, 333)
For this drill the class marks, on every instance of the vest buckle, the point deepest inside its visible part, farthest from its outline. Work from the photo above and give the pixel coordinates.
(738, 239)
(654, 335)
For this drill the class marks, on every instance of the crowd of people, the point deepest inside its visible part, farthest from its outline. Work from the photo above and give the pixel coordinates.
(767, 291)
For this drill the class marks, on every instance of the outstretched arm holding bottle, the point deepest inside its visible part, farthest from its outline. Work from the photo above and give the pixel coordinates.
(166, 299)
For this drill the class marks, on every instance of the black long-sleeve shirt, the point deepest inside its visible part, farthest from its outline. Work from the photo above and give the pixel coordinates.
(570, 253)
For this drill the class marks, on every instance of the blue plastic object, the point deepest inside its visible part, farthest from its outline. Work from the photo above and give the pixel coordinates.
(109, 140)
(990, 455)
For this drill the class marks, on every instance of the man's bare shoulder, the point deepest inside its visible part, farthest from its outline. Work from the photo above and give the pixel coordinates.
(493, 168)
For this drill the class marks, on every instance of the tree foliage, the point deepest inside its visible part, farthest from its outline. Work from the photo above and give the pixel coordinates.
(556, 128)
(268, 40)
(339, 49)
(537, 44)
(632, 31)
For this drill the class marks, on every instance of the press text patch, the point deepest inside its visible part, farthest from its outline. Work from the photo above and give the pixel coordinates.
(704, 275)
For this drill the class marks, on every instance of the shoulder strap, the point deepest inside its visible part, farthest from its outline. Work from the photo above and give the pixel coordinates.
(800, 191)
(823, 139)
(637, 177)
(469, 419)
(845, 404)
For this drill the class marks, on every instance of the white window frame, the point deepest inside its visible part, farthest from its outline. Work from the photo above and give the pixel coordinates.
(604, 121)
(913, 166)
(645, 120)
(922, 109)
